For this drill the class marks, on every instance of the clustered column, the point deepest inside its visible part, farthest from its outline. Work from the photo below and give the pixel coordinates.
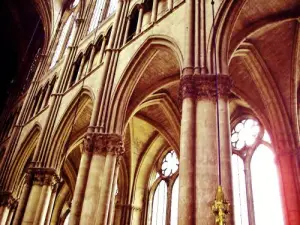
(198, 175)
(8, 205)
(43, 180)
(94, 194)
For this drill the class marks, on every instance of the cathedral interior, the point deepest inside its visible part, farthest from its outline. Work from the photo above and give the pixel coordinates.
(150, 112)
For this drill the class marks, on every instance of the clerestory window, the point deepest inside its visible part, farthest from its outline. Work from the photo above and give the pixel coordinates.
(255, 180)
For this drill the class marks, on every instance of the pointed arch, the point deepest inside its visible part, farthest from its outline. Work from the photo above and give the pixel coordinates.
(133, 73)
(23, 156)
(78, 107)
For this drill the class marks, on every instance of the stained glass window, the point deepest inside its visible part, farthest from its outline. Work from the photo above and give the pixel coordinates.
(166, 189)
(61, 41)
(97, 14)
(259, 201)
(112, 7)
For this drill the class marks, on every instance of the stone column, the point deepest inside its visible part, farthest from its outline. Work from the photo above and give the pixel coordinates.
(39, 197)
(80, 71)
(140, 19)
(12, 205)
(207, 177)
(101, 53)
(112, 144)
(113, 193)
(187, 154)
(154, 11)
(286, 166)
(93, 186)
(46, 95)
(7, 205)
(23, 200)
(81, 183)
(90, 65)
(126, 30)
(51, 204)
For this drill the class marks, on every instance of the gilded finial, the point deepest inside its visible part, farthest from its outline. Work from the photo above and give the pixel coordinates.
(220, 207)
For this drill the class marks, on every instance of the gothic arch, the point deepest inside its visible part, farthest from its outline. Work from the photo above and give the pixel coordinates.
(133, 74)
(22, 156)
(82, 101)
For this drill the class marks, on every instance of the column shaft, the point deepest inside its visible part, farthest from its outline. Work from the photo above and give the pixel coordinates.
(113, 195)
(91, 196)
(140, 20)
(32, 203)
(22, 204)
(106, 189)
(291, 198)
(154, 11)
(206, 161)
(186, 169)
(81, 183)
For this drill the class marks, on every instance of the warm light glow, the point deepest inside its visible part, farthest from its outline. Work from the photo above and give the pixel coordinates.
(98, 10)
(61, 42)
(239, 194)
(265, 185)
(174, 207)
(75, 3)
(159, 209)
(112, 7)
(244, 133)
(170, 164)
(66, 222)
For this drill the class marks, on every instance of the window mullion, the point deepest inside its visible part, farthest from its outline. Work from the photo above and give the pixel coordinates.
(249, 191)
(169, 197)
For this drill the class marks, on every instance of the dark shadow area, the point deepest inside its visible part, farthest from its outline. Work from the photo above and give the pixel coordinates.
(22, 35)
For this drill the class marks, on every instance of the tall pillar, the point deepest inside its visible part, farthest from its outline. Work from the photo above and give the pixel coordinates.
(112, 144)
(286, 165)
(81, 183)
(187, 154)
(23, 200)
(39, 198)
(93, 186)
(51, 204)
(113, 193)
(7, 206)
(207, 177)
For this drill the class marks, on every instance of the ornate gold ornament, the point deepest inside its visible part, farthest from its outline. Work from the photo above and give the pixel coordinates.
(220, 207)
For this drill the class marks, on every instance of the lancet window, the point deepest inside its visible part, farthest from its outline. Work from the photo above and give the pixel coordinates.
(61, 41)
(102, 10)
(67, 34)
(164, 192)
(256, 185)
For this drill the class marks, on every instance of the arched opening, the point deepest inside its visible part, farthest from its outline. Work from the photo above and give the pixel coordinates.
(152, 122)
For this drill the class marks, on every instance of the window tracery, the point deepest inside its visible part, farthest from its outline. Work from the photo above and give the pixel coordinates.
(166, 188)
(255, 180)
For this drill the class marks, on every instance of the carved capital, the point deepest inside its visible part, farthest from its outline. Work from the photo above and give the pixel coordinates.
(43, 176)
(187, 87)
(28, 178)
(100, 143)
(7, 200)
(205, 86)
